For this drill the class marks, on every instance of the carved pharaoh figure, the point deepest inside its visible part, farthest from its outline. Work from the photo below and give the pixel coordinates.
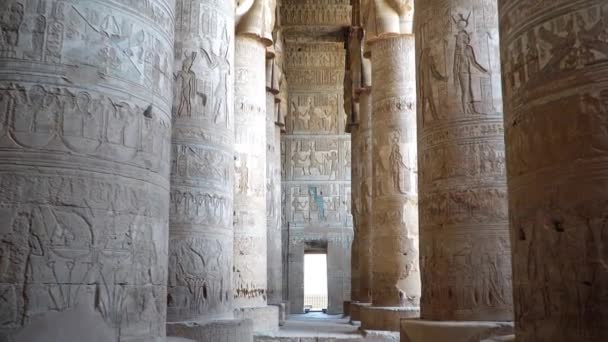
(187, 86)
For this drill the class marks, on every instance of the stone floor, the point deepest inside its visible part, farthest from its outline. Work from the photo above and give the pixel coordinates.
(319, 327)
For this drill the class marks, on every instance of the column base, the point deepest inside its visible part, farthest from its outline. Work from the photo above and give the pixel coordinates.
(346, 307)
(386, 318)
(282, 312)
(265, 318)
(355, 311)
(413, 330)
(234, 330)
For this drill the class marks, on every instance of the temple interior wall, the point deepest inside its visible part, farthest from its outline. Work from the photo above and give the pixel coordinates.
(316, 169)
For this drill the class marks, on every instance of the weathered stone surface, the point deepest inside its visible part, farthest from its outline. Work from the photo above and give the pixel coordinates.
(346, 308)
(464, 238)
(250, 167)
(201, 229)
(386, 318)
(214, 331)
(433, 331)
(265, 319)
(85, 158)
(380, 336)
(355, 311)
(316, 169)
(282, 308)
(59, 326)
(554, 61)
(394, 243)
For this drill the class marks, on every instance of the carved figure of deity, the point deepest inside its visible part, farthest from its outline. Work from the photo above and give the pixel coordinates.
(464, 59)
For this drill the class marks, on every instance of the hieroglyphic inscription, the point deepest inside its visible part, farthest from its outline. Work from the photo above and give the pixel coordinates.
(316, 12)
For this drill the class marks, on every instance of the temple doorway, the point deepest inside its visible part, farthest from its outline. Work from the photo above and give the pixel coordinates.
(315, 282)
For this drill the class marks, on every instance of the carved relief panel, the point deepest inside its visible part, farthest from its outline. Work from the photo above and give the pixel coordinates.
(314, 113)
(315, 204)
(315, 159)
(85, 134)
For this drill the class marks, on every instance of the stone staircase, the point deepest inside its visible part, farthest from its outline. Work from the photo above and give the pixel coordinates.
(317, 327)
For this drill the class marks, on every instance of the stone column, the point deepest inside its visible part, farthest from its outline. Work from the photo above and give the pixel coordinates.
(361, 170)
(250, 225)
(464, 240)
(556, 98)
(273, 180)
(351, 127)
(85, 105)
(365, 192)
(200, 299)
(395, 285)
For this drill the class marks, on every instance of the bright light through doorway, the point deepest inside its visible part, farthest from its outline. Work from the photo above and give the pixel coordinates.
(315, 282)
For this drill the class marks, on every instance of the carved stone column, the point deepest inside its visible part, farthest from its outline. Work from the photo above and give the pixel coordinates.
(250, 224)
(555, 68)
(362, 200)
(351, 127)
(85, 106)
(200, 298)
(464, 240)
(273, 179)
(394, 242)
(365, 193)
